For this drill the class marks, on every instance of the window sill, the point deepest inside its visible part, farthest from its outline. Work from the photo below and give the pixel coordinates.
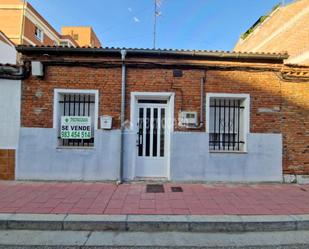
(227, 152)
(75, 147)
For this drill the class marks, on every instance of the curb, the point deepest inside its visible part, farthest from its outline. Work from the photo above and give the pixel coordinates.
(154, 223)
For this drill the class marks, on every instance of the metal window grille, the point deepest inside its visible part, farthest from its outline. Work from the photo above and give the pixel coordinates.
(226, 124)
(77, 105)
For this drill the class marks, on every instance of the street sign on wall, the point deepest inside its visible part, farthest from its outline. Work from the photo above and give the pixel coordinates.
(75, 127)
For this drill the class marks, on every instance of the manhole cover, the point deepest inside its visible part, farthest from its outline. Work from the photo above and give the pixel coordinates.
(176, 189)
(154, 188)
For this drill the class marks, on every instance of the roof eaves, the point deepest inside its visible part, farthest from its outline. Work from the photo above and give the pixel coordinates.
(154, 52)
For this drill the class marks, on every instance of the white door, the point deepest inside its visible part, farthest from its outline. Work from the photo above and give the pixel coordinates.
(152, 137)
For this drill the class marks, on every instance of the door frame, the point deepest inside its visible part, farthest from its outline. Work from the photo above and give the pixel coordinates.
(170, 97)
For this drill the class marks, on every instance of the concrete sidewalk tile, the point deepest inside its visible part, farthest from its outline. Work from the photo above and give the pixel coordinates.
(164, 211)
(95, 222)
(178, 204)
(154, 223)
(95, 211)
(8, 209)
(62, 208)
(146, 211)
(268, 222)
(36, 221)
(78, 210)
(181, 211)
(42, 210)
(113, 211)
(147, 204)
(215, 223)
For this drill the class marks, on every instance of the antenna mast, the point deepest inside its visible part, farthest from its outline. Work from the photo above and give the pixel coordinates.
(155, 24)
(157, 5)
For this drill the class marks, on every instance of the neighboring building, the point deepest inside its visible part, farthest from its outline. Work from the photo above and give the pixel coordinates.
(10, 89)
(84, 36)
(7, 50)
(286, 28)
(22, 24)
(185, 115)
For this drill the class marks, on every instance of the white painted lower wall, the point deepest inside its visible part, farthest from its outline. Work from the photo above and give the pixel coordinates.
(39, 159)
(191, 159)
(10, 91)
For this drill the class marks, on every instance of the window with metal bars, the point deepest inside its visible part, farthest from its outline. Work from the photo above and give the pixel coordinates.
(226, 124)
(79, 105)
(39, 34)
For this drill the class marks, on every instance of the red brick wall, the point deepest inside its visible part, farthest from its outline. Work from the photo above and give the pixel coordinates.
(265, 88)
(29, 33)
(295, 127)
(37, 109)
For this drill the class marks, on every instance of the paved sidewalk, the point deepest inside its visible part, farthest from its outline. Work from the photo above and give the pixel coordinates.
(196, 199)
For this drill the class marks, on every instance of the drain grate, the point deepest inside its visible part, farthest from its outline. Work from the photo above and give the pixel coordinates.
(176, 189)
(154, 188)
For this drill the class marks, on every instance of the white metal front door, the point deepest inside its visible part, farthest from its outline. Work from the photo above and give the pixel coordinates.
(151, 139)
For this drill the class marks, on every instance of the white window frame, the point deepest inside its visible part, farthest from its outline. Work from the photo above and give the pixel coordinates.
(246, 117)
(40, 38)
(57, 93)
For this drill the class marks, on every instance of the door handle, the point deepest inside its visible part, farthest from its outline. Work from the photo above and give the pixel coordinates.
(138, 140)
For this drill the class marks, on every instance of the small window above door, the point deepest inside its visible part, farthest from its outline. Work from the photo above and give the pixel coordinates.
(152, 101)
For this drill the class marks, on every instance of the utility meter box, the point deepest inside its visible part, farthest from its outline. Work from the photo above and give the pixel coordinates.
(188, 119)
(37, 68)
(106, 122)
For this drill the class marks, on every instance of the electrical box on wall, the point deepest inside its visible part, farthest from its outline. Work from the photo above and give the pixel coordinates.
(106, 122)
(188, 119)
(37, 68)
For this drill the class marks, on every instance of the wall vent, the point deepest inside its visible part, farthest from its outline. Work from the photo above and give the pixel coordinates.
(177, 73)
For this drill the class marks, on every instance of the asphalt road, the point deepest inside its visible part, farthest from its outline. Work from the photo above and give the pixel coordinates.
(25, 239)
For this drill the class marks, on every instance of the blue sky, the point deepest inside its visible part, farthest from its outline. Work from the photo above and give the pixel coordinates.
(186, 24)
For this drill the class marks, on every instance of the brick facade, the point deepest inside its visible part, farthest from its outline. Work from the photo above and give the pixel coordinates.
(18, 20)
(278, 105)
(295, 127)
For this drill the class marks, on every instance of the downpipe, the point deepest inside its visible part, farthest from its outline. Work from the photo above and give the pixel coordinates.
(201, 122)
(122, 113)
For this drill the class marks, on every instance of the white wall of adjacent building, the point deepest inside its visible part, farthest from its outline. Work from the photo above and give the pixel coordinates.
(10, 92)
(7, 53)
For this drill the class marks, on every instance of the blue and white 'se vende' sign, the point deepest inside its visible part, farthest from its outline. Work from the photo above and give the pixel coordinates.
(75, 127)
